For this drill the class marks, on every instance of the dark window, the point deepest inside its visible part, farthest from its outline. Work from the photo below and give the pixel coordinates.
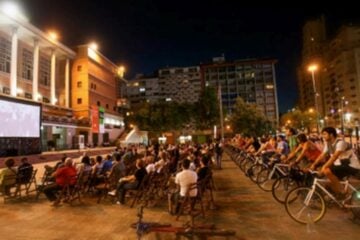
(6, 90)
(5, 55)
(44, 71)
(107, 106)
(98, 103)
(27, 64)
(79, 101)
(79, 84)
(79, 68)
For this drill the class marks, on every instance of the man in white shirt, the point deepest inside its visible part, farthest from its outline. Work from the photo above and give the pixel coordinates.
(185, 178)
(342, 162)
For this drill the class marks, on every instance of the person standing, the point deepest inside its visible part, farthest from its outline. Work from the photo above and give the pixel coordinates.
(218, 153)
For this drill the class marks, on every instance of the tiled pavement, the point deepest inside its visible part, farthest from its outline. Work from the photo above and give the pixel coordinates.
(242, 207)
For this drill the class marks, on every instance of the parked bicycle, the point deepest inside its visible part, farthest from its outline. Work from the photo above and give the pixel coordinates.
(188, 231)
(308, 204)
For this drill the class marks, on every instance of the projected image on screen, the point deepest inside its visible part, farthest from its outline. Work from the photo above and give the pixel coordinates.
(19, 120)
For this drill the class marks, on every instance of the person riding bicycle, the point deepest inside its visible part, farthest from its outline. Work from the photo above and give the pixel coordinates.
(306, 149)
(341, 163)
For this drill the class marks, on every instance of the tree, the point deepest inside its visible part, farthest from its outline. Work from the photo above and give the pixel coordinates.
(248, 119)
(161, 116)
(207, 109)
(299, 119)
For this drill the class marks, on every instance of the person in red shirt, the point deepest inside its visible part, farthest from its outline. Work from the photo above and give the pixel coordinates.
(306, 149)
(63, 176)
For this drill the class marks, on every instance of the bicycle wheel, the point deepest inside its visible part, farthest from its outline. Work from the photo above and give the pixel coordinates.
(255, 170)
(355, 202)
(281, 187)
(243, 163)
(304, 207)
(264, 181)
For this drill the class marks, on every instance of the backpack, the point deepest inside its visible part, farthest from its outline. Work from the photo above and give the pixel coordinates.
(331, 149)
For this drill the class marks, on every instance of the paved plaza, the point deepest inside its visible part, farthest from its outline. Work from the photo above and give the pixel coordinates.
(241, 206)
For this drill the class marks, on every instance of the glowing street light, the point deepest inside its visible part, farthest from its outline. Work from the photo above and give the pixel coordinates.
(13, 10)
(93, 46)
(53, 35)
(121, 71)
(312, 68)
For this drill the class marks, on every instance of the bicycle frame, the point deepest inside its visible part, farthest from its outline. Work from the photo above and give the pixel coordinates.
(277, 167)
(317, 184)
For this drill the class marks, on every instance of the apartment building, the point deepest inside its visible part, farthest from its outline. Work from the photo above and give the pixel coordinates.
(313, 50)
(254, 80)
(337, 77)
(178, 84)
(341, 89)
(143, 88)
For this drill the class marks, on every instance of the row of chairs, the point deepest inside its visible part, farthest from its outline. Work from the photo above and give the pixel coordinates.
(69, 192)
(15, 187)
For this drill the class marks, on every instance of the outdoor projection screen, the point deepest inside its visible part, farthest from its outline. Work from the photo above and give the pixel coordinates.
(19, 119)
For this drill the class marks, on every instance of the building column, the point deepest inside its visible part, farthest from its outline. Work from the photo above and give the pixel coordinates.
(53, 99)
(13, 66)
(35, 71)
(67, 82)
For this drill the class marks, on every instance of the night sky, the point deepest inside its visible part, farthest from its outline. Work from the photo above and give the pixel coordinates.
(147, 35)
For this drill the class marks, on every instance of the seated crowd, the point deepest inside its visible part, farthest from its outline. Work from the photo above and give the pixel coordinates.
(125, 169)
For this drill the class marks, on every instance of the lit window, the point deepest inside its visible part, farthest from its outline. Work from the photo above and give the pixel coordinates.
(142, 89)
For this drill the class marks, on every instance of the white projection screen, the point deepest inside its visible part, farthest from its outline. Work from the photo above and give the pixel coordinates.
(19, 119)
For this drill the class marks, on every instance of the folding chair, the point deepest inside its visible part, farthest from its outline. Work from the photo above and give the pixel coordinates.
(46, 179)
(9, 187)
(187, 203)
(141, 190)
(26, 184)
(69, 192)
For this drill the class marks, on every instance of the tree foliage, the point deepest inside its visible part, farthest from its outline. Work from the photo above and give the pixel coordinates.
(207, 109)
(248, 119)
(161, 116)
(166, 116)
(299, 119)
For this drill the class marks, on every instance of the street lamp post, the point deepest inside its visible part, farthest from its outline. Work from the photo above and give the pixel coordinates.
(342, 114)
(312, 69)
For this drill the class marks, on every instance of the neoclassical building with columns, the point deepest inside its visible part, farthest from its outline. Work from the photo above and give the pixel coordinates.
(77, 90)
(36, 67)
